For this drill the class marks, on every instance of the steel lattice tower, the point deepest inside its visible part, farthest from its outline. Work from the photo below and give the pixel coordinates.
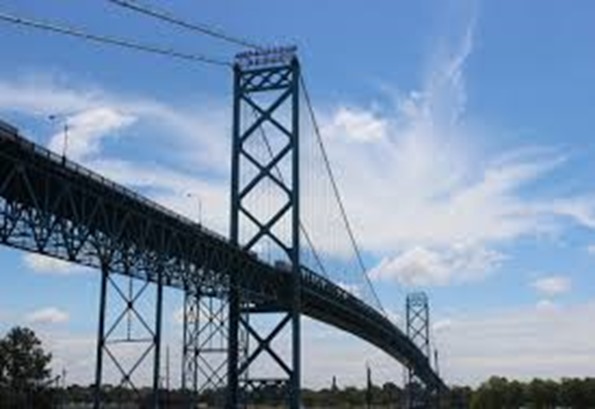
(418, 330)
(265, 114)
(205, 342)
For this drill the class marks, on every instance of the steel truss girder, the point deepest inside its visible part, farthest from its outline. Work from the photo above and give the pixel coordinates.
(281, 83)
(88, 220)
(60, 209)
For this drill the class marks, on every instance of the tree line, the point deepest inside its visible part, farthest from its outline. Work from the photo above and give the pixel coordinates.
(26, 382)
(501, 393)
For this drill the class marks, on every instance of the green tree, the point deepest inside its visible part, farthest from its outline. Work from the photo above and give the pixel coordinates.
(490, 394)
(24, 366)
(514, 395)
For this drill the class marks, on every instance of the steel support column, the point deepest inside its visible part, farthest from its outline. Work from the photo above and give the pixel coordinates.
(128, 325)
(157, 339)
(232, 398)
(100, 335)
(266, 98)
(295, 390)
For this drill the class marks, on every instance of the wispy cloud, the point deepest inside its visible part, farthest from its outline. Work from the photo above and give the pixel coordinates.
(419, 266)
(47, 265)
(523, 342)
(552, 285)
(84, 132)
(416, 183)
(48, 315)
(94, 114)
(420, 188)
(194, 137)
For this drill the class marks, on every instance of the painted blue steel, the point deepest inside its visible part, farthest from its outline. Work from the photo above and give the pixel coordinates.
(100, 337)
(417, 308)
(63, 210)
(280, 80)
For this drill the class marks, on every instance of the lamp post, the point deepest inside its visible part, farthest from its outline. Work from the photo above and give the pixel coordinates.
(199, 203)
(55, 117)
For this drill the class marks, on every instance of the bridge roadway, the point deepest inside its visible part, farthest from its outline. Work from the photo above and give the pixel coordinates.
(52, 206)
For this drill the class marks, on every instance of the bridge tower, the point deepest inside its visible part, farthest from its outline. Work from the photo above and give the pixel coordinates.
(265, 163)
(418, 330)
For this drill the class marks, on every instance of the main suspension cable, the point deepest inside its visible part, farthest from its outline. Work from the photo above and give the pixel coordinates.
(104, 39)
(170, 18)
(280, 176)
(336, 192)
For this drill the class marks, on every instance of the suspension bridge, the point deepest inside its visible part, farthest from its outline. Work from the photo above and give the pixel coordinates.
(244, 294)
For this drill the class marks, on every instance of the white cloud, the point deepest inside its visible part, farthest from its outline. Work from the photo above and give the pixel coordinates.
(356, 124)
(552, 285)
(591, 249)
(48, 315)
(420, 181)
(196, 139)
(414, 183)
(48, 265)
(76, 353)
(86, 130)
(519, 342)
(414, 179)
(354, 289)
(394, 316)
(546, 305)
(197, 134)
(421, 266)
(442, 325)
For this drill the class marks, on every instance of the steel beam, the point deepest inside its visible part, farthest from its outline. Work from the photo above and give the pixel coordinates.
(100, 336)
(157, 340)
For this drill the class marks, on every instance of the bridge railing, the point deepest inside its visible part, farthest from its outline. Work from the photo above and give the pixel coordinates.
(13, 134)
(313, 278)
(308, 275)
(319, 289)
(9, 132)
(339, 292)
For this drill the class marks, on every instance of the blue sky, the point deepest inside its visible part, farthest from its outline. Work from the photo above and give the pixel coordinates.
(460, 133)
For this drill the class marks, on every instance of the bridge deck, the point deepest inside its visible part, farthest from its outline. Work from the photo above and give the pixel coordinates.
(52, 206)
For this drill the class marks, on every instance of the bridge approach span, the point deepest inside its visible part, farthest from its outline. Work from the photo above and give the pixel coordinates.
(52, 206)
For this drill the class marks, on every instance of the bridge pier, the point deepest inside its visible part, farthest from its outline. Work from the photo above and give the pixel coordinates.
(265, 158)
(419, 395)
(116, 331)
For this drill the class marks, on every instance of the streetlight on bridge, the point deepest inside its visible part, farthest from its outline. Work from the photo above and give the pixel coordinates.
(64, 118)
(199, 203)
